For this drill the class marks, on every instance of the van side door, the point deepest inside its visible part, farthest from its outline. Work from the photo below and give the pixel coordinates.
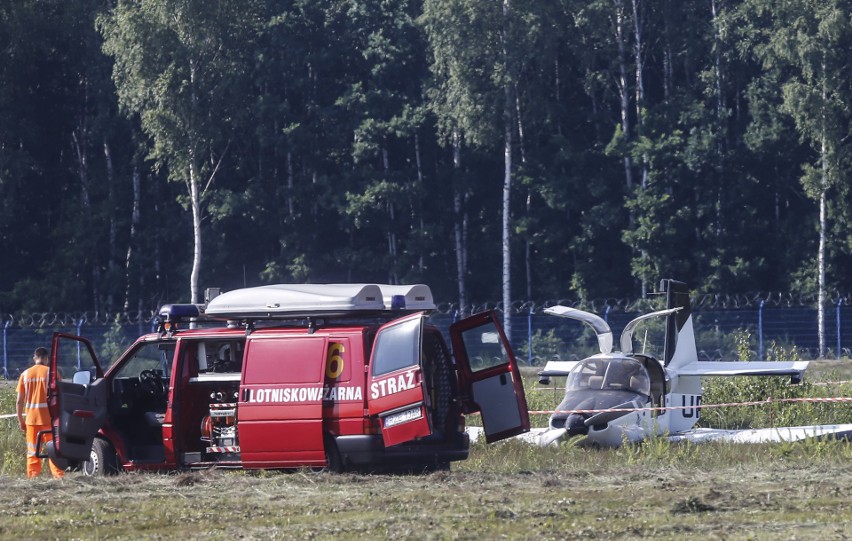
(279, 413)
(76, 397)
(489, 376)
(396, 394)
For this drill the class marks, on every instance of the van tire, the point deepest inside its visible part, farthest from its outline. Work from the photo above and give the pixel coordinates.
(332, 457)
(102, 460)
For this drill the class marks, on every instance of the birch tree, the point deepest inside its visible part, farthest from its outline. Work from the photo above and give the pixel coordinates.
(177, 68)
(804, 47)
(477, 50)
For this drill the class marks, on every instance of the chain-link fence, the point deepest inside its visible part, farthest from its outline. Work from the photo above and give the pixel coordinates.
(765, 327)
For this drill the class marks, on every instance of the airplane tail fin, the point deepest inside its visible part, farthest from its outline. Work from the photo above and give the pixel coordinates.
(679, 348)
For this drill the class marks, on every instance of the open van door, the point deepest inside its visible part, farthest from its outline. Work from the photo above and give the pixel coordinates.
(76, 398)
(396, 393)
(489, 375)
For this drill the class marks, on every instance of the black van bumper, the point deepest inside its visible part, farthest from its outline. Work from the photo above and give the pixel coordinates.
(366, 450)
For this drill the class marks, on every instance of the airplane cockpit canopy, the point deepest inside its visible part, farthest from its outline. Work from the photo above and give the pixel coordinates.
(609, 374)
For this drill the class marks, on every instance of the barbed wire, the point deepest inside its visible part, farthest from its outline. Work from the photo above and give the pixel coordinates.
(702, 301)
(74, 319)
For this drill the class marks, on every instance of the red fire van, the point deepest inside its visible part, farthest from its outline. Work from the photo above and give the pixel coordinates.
(333, 376)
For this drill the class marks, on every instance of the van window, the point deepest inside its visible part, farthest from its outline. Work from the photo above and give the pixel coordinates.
(397, 347)
(153, 356)
(220, 356)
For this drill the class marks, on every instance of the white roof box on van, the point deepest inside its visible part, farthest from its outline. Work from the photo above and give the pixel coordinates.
(416, 297)
(330, 300)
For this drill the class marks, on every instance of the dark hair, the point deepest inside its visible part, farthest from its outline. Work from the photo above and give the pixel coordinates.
(40, 352)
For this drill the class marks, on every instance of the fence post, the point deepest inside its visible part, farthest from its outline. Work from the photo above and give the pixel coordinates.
(760, 331)
(839, 302)
(6, 351)
(529, 336)
(79, 331)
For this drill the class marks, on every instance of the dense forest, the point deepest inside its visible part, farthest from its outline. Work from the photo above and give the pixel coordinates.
(497, 150)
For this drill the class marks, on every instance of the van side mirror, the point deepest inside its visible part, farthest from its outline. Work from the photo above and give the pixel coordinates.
(83, 377)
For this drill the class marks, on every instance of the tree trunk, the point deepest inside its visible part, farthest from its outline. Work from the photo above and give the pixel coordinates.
(623, 91)
(527, 243)
(822, 219)
(459, 225)
(640, 105)
(640, 82)
(134, 226)
(79, 139)
(393, 276)
(195, 203)
(821, 265)
(110, 179)
(668, 55)
(291, 210)
(507, 182)
(420, 263)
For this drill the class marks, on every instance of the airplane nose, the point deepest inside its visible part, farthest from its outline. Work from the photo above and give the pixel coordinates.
(575, 424)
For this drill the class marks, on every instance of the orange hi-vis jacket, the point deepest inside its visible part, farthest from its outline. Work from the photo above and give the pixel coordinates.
(33, 386)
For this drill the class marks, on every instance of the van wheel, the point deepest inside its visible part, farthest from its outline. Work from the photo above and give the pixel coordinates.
(333, 458)
(102, 459)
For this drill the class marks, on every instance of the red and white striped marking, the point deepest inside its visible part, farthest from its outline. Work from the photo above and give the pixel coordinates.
(223, 449)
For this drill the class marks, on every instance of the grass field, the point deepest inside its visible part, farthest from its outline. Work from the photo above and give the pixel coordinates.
(653, 490)
(706, 492)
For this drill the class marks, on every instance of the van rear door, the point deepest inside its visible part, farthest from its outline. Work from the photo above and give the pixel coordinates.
(396, 394)
(77, 405)
(489, 376)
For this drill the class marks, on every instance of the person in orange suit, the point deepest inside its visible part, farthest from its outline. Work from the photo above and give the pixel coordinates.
(33, 415)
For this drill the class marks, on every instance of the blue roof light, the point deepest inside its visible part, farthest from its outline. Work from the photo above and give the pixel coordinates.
(398, 302)
(172, 312)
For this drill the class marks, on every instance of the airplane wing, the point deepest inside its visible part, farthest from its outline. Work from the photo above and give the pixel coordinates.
(765, 435)
(750, 368)
(540, 437)
(557, 368)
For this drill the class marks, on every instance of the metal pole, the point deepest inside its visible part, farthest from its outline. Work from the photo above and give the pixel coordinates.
(760, 331)
(839, 302)
(529, 336)
(79, 350)
(6, 351)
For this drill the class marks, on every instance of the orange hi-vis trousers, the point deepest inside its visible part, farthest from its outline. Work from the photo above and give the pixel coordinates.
(33, 462)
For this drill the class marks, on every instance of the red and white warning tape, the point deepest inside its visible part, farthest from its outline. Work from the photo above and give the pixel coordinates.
(770, 400)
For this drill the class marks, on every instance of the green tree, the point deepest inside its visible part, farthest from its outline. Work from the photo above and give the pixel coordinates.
(804, 46)
(180, 68)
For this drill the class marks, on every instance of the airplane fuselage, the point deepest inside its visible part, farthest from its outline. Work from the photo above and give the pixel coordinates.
(612, 398)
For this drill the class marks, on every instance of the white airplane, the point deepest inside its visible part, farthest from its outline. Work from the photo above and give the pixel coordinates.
(629, 385)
